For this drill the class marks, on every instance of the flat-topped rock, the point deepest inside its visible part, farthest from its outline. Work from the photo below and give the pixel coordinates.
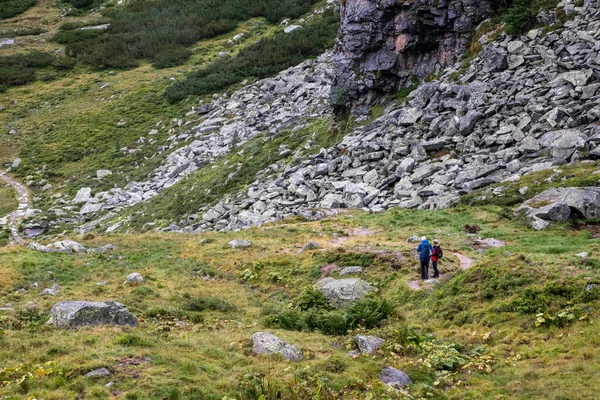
(72, 314)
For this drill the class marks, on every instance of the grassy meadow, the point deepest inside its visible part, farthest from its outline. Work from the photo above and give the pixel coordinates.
(478, 334)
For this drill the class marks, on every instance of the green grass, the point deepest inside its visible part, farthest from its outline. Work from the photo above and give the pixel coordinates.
(8, 203)
(473, 336)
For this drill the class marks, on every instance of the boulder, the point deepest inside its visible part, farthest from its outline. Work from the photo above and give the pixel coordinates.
(562, 204)
(134, 279)
(72, 314)
(342, 292)
(368, 344)
(267, 343)
(394, 377)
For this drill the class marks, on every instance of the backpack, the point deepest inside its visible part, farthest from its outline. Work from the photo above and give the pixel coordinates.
(438, 252)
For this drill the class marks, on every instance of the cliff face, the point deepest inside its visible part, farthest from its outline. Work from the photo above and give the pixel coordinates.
(384, 43)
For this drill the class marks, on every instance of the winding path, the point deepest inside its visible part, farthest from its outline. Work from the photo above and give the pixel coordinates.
(15, 218)
(465, 263)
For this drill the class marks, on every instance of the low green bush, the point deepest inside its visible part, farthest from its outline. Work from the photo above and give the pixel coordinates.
(207, 304)
(160, 30)
(12, 8)
(366, 313)
(260, 60)
(311, 298)
(20, 69)
(76, 35)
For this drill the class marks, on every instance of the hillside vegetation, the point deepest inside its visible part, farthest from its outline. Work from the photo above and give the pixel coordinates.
(519, 324)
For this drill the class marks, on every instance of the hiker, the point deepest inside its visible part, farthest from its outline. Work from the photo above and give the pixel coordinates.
(424, 251)
(436, 254)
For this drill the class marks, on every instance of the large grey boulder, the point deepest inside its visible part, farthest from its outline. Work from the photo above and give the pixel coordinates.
(368, 344)
(72, 314)
(267, 343)
(342, 292)
(394, 377)
(562, 204)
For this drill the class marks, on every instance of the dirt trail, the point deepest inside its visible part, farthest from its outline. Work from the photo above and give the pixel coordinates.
(465, 263)
(15, 218)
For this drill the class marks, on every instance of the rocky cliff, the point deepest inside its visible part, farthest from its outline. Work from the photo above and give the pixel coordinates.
(524, 104)
(385, 43)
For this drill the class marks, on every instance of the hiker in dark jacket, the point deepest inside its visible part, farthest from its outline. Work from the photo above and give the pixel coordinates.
(424, 251)
(436, 254)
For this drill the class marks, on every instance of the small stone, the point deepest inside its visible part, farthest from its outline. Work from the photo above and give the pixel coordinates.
(134, 279)
(98, 373)
(310, 246)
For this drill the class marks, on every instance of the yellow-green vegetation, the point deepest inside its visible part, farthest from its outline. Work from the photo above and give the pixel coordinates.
(8, 203)
(518, 325)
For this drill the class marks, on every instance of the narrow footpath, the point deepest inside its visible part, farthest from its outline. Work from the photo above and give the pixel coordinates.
(24, 201)
(465, 263)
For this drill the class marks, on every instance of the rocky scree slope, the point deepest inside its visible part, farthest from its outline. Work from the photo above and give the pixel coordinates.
(524, 104)
(293, 98)
(384, 44)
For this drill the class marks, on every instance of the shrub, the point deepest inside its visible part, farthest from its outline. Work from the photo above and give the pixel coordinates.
(81, 3)
(12, 8)
(160, 30)
(311, 298)
(368, 312)
(260, 60)
(20, 69)
(171, 57)
(521, 17)
(207, 304)
(22, 32)
(76, 35)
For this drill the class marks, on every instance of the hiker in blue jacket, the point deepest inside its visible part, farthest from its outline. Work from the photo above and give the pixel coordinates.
(424, 251)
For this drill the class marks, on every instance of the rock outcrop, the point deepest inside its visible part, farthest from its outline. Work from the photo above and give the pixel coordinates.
(267, 343)
(384, 44)
(72, 314)
(562, 204)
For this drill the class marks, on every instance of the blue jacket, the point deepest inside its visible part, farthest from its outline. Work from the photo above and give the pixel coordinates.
(424, 250)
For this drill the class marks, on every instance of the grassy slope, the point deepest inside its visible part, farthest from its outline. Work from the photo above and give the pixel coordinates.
(209, 357)
(7, 200)
(69, 124)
